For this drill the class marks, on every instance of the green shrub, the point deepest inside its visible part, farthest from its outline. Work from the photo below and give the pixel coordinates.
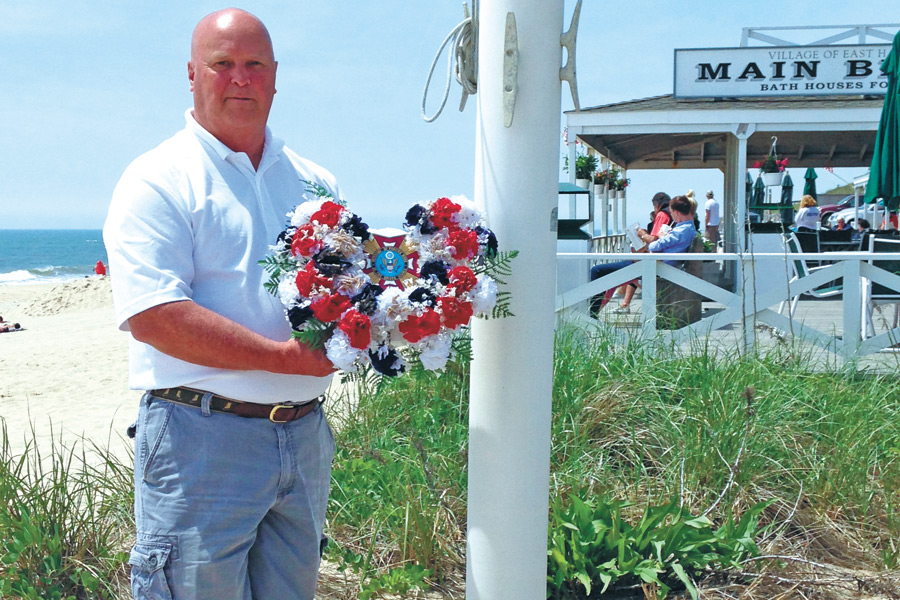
(593, 546)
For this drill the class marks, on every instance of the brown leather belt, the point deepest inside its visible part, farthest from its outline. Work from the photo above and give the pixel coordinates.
(277, 413)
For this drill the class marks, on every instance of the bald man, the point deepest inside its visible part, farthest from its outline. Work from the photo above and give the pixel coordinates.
(232, 449)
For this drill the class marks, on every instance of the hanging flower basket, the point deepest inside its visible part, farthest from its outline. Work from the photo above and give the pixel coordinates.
(771, 169)
(772, 179)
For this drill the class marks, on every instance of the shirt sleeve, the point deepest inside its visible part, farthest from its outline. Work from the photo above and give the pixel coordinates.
(148, 238)
(660, 220)
(677, 240)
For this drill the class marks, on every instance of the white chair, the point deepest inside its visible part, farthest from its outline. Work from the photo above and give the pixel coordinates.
(798, 270)
(878, 294)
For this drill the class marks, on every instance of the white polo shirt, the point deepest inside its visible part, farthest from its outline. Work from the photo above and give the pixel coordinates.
(190, 220)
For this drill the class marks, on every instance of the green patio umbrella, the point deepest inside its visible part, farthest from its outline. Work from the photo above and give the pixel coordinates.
(809, 188)
(787, 194)
(749, 192)
(759, 193)
(884, 175)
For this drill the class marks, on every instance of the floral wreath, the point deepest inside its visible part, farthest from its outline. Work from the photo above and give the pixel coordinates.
(324, 277)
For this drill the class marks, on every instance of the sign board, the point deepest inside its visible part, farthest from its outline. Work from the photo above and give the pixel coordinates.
(780, 71)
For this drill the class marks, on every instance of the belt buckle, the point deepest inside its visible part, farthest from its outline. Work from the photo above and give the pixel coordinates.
(275, 409)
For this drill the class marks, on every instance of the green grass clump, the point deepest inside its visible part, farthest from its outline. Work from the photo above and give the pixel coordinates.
(639, 423)
(686, 460)
(65, 522)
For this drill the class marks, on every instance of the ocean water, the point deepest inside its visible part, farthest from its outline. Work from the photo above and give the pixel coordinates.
(49, 255)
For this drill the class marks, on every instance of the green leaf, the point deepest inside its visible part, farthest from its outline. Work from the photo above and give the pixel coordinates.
(585, 581)
(683, 577)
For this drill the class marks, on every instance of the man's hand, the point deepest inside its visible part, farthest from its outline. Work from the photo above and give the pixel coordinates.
(195, 334)
(315, 362)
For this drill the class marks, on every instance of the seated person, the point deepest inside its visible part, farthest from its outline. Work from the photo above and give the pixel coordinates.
(677, 239)
(660, 223)
(862, 227)
(840, 225)
(807, 219)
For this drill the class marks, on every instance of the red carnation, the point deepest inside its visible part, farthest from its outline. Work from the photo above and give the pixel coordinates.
(462, 279)
(415, 328)
(330, 308)
(304, 242)
(456, 312)
(309, 278)
(465, 244)
(358, 328)
(442, 212)
(329, 214)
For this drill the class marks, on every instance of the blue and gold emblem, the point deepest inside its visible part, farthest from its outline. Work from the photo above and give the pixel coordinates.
(390, 260)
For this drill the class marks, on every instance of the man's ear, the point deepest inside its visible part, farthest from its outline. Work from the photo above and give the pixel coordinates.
(191, 74)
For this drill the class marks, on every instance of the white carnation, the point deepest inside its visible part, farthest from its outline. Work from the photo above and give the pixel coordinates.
(341, 353)
(304, 211)
(484, 295)
(435, 350)
(287, 289)
(468, 216)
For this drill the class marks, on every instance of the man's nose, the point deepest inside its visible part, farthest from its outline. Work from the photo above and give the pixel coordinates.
(240, 75)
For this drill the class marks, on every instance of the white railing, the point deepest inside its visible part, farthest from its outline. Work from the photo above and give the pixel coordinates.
(752, 307)
(861, 34)
(609, 243)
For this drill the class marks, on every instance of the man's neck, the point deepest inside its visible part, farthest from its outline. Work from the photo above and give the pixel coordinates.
(249, 141)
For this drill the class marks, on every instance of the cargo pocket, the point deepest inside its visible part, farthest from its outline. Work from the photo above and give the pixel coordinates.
(148, 578)
(151, 432)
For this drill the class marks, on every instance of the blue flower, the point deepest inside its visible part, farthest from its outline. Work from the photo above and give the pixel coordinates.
(391, 365)
(423, 296)
(419, 215)
(488, 240)
(435, 269)
(298, 316)
(357, 228)
(366, 301)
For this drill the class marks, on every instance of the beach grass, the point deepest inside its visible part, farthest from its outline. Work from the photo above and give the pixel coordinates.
(642, 422)
(642, 427)
(66, 520)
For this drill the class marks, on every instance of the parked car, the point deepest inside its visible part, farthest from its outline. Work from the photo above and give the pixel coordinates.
(849, 215)
(843, 203)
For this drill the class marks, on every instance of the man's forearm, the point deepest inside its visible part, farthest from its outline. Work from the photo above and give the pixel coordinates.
(189, 332)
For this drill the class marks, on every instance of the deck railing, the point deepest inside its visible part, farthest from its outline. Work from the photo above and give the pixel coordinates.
(747, 305)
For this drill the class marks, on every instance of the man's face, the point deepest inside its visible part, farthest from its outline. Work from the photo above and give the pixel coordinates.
(232, 75)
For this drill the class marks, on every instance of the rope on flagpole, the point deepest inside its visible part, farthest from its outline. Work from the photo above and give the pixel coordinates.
(463, 39)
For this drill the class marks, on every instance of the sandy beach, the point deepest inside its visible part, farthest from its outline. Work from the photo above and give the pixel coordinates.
(66, 373)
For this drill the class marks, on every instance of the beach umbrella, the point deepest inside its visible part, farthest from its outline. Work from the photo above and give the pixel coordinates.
(809, 188)
(787, 194)
(759, 192)
(787, 188)
(884, 175)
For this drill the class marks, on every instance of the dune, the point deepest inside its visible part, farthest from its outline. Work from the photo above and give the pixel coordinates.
(65, 374)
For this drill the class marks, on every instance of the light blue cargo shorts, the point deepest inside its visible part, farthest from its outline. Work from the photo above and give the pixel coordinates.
(228, 508)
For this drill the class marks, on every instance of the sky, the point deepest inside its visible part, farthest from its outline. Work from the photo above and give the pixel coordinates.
(89, 86)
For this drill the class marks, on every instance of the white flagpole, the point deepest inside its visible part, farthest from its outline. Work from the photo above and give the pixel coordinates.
(516, 171)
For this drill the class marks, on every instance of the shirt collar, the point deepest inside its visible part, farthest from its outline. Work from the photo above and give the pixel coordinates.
(271, 147)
